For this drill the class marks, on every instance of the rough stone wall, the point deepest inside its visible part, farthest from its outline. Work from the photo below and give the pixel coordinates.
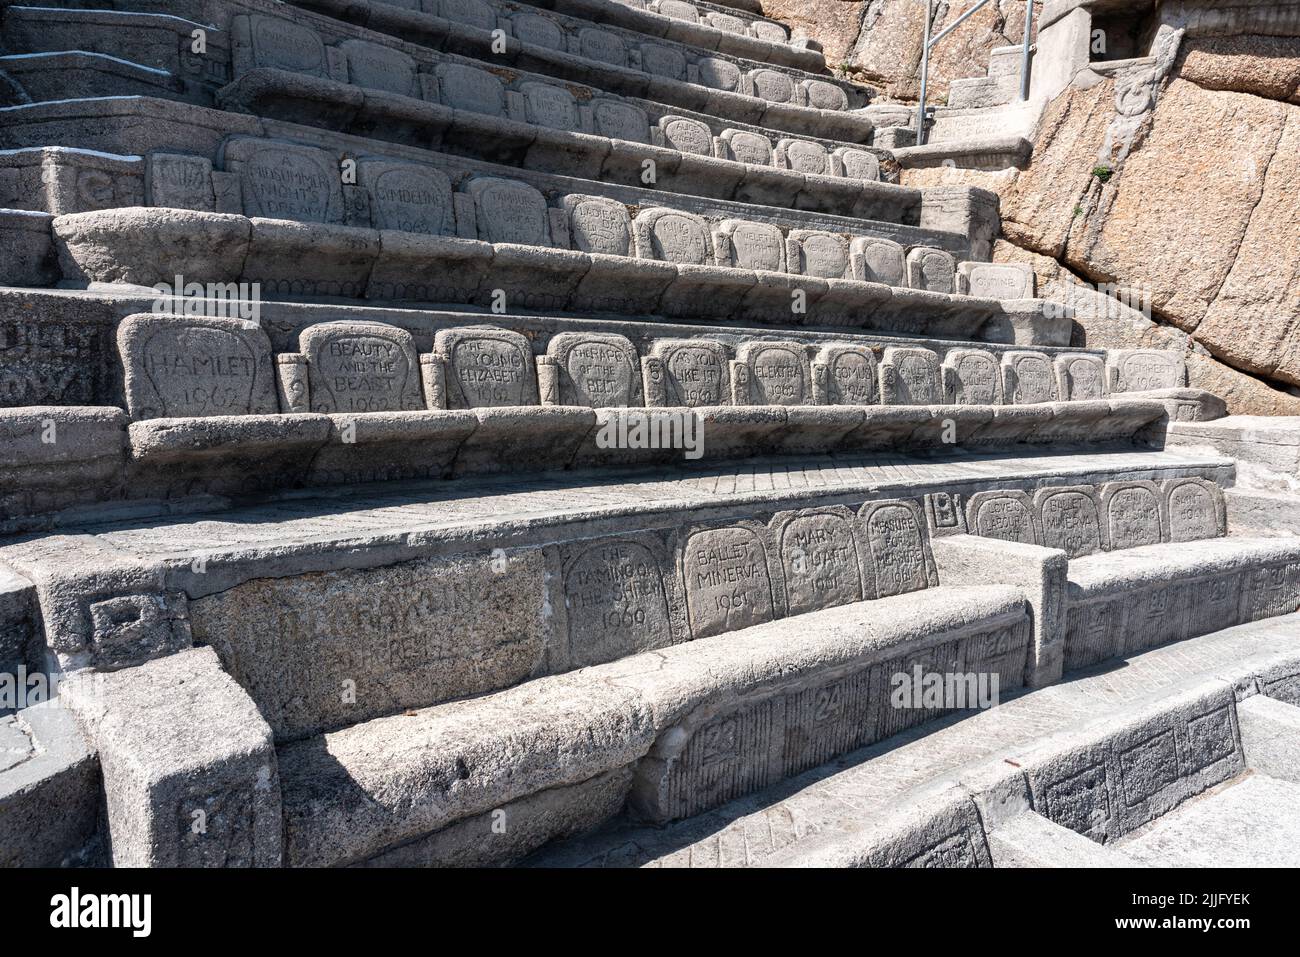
(1176, 185)
(879, 41)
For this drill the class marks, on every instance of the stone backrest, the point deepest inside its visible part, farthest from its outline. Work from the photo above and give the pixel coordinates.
(367, 366)
(181, 367)
(1083, 519)
(359, 367)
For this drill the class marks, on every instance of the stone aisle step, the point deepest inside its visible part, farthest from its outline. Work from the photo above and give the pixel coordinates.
(849, 793)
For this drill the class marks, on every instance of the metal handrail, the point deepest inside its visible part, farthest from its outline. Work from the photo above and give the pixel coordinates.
(931, 41)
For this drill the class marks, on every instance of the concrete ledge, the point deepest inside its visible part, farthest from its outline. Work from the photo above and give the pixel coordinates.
(991, 153)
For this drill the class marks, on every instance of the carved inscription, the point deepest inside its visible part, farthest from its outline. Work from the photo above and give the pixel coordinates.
(895, 536)
(490, 369)
(510, 212)
(778, 373)
(1132, 514)
(1069, 520)
(726, 578)
(820, 560)
(696, 373)
(361, 367)
(1007, 516)
(415, 199)
(617, 606)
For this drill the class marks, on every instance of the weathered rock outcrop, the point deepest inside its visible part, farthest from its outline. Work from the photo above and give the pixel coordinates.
(880, 40)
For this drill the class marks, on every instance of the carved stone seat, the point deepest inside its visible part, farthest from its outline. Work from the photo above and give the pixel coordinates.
(667, 734)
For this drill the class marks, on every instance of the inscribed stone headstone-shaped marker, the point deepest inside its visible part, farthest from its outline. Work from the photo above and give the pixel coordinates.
(910, 377)
(894, 531)
(755, 245)
(182, 367)
(718, 74)
(377, 67)
(725, 21)
(881, 260)
(806, 157)
(284, 45)
(1131, 512)
(409, 197)
(361, 367)
(663, 61)
(931, 270)
(1069, 519)
(727, 582)
(1007, 515)
(824, 255)
(474, 13)
(621, 121)
(538, 30)
(859, 164)
(819, 558)
(1028, 378)
(598, 224)
(695, 371)
(998, 280)
(602, 45)
(1196, 510)
(616, 600)
(510, 212)
(679, 10)
(286, 181)
(747, 147)
(550, 105)
(1080, 377)
(826, 96)
(1142, 370)
(487, 367)
(767, 30)
(687, 135)
(671, 236)
(601, 370)
(851, 374)
(972, 377)
(779, 372)
(179, 181)
(772, 86)
(469, 88)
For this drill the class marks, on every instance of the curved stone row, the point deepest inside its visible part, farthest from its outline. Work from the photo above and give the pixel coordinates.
(701, 65)
(180, 367)
(1083, 520)
(263, 42)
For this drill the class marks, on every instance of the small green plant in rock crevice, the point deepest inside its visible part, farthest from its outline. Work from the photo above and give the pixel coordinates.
(1103, 173)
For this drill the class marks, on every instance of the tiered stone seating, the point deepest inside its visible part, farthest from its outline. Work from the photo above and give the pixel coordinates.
(420, 411)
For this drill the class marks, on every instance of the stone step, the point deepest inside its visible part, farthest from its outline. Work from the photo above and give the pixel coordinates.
(287, 259)
(947, 793)
(551, 119)
(617, 60)
(953, 125)
(950, 218)
(983, 92)
(698, 24)
(991, 153)
(673, 734)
